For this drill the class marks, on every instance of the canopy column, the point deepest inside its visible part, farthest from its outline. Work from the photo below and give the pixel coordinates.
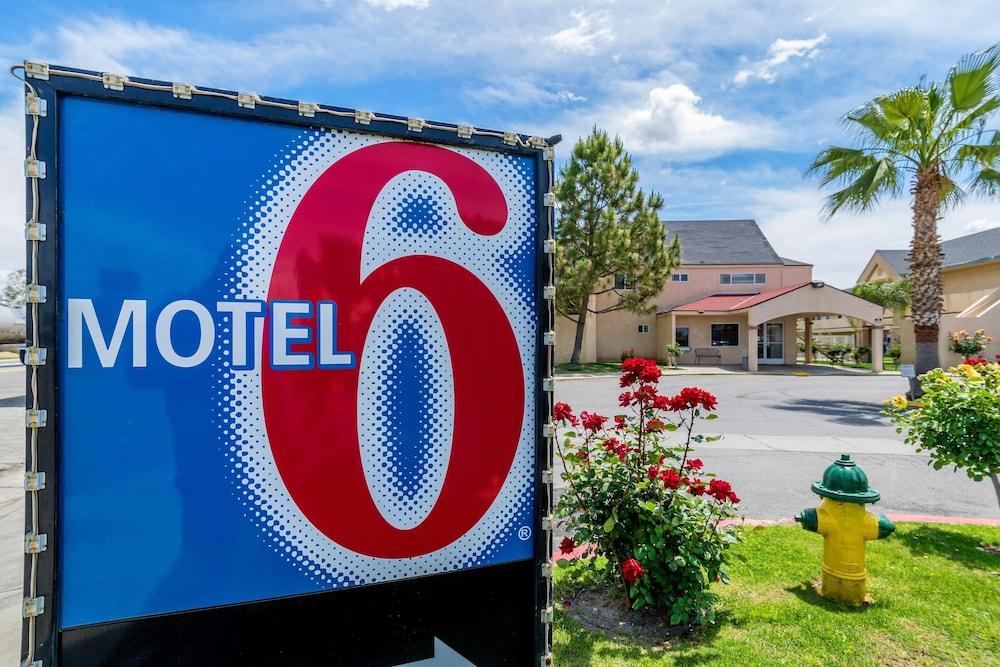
(877, 342)
(809, 338)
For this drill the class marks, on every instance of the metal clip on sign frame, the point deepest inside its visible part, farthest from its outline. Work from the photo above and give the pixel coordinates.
(44, 86)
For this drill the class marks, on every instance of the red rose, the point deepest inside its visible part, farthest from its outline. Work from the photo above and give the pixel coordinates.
(692, 397)
(625, 400)
(562, 412)
(722, 491)
(620, 422)
(650, 372)
(696, 486)
(670, 478)
(616, 446)
(654, 472)
(592, 421)
(693, 464)
(566, 546)
(632, 570)
(645, 394)
(636, 370)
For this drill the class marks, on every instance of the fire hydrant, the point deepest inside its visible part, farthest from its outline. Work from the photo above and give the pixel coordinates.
(845, 526)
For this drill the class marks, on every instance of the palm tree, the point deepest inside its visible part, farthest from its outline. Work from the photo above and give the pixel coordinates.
(926, 139)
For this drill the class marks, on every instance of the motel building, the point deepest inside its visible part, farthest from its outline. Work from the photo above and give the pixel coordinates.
(732, 302)
(970, 288)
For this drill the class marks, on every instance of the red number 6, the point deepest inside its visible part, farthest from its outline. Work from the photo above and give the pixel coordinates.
(311, 416)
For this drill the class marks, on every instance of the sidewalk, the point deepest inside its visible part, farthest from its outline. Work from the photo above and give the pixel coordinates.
(800, 370)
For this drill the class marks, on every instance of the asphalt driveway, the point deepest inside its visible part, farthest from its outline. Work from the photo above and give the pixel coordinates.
(781, 431)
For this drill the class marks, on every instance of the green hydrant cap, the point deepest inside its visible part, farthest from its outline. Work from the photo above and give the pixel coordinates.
(846, 482)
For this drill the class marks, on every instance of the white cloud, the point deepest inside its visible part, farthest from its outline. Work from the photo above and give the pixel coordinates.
(670, 124)
(518, 92)
(780, 52)
(390, 5)
(584, 37)
(981, 224)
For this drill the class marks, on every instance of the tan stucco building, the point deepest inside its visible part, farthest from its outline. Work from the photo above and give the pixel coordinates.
(731, 294)
(971, 285)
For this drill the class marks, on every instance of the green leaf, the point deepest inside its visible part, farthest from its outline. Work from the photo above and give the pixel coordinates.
(609, 525)
(711, 415)
(973, 79)
(564, 562)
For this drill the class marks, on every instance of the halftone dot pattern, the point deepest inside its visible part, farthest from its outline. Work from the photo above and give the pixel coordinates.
(414, 214)
(405, 408)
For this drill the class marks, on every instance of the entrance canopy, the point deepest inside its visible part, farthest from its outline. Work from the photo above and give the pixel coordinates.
(803, 300)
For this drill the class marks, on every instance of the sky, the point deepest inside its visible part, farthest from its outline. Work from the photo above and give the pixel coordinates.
(722, 104)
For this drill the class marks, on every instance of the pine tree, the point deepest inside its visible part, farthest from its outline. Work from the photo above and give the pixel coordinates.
(607, 227)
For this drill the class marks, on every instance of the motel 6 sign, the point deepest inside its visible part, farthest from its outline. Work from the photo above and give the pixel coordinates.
(293, 383)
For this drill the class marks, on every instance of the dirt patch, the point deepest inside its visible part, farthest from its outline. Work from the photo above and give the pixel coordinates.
(605, 612)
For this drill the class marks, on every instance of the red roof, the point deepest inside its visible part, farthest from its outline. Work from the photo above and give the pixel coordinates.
(729, 302)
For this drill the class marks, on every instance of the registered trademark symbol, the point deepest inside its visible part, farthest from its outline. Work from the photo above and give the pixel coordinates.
(524, 533)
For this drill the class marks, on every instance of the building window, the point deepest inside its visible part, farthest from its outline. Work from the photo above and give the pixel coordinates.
(742, 278)
(643, 328)
(725, 335)
(679, 277)
(681, 336)
(623, 282)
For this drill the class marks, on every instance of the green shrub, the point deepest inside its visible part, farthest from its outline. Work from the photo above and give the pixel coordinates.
(642, 503)
(836, 352)
(956, 420)
(895, 352)
(859, 353)
(672, 352)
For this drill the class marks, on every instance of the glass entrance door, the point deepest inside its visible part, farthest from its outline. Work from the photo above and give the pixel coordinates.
(771, 343)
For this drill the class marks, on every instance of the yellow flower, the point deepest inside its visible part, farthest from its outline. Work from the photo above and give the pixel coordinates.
(899, 402)
(968, 371)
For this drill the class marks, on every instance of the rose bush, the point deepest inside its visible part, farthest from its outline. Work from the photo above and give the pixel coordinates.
(967, 344)
(957, 419)
(642, 505)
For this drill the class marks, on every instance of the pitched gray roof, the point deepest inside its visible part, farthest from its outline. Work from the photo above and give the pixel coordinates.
(721, 242)
(979, 247)
(793, 262)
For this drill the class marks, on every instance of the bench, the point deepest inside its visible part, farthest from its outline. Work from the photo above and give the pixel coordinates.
(707, 353)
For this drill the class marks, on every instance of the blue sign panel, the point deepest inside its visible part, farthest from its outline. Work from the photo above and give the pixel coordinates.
(291, 359)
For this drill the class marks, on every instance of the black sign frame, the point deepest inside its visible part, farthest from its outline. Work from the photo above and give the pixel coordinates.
(280, 630)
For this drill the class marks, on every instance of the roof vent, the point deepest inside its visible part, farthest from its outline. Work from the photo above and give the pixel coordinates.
(818, 283)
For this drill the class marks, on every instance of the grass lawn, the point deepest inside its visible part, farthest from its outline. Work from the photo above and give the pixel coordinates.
(936, 601)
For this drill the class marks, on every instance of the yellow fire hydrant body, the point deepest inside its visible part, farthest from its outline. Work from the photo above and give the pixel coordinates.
(845, 526)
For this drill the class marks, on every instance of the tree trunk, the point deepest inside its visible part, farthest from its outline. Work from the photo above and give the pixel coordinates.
(581, 323)
(925, 273)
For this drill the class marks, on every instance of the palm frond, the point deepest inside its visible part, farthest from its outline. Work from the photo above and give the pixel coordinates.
(986, 182)
(905, 108)
(838, 163)
(973, 79)
(864, 192)
(975, 118)
(951, 194)
(985, 155)
(871, 124)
